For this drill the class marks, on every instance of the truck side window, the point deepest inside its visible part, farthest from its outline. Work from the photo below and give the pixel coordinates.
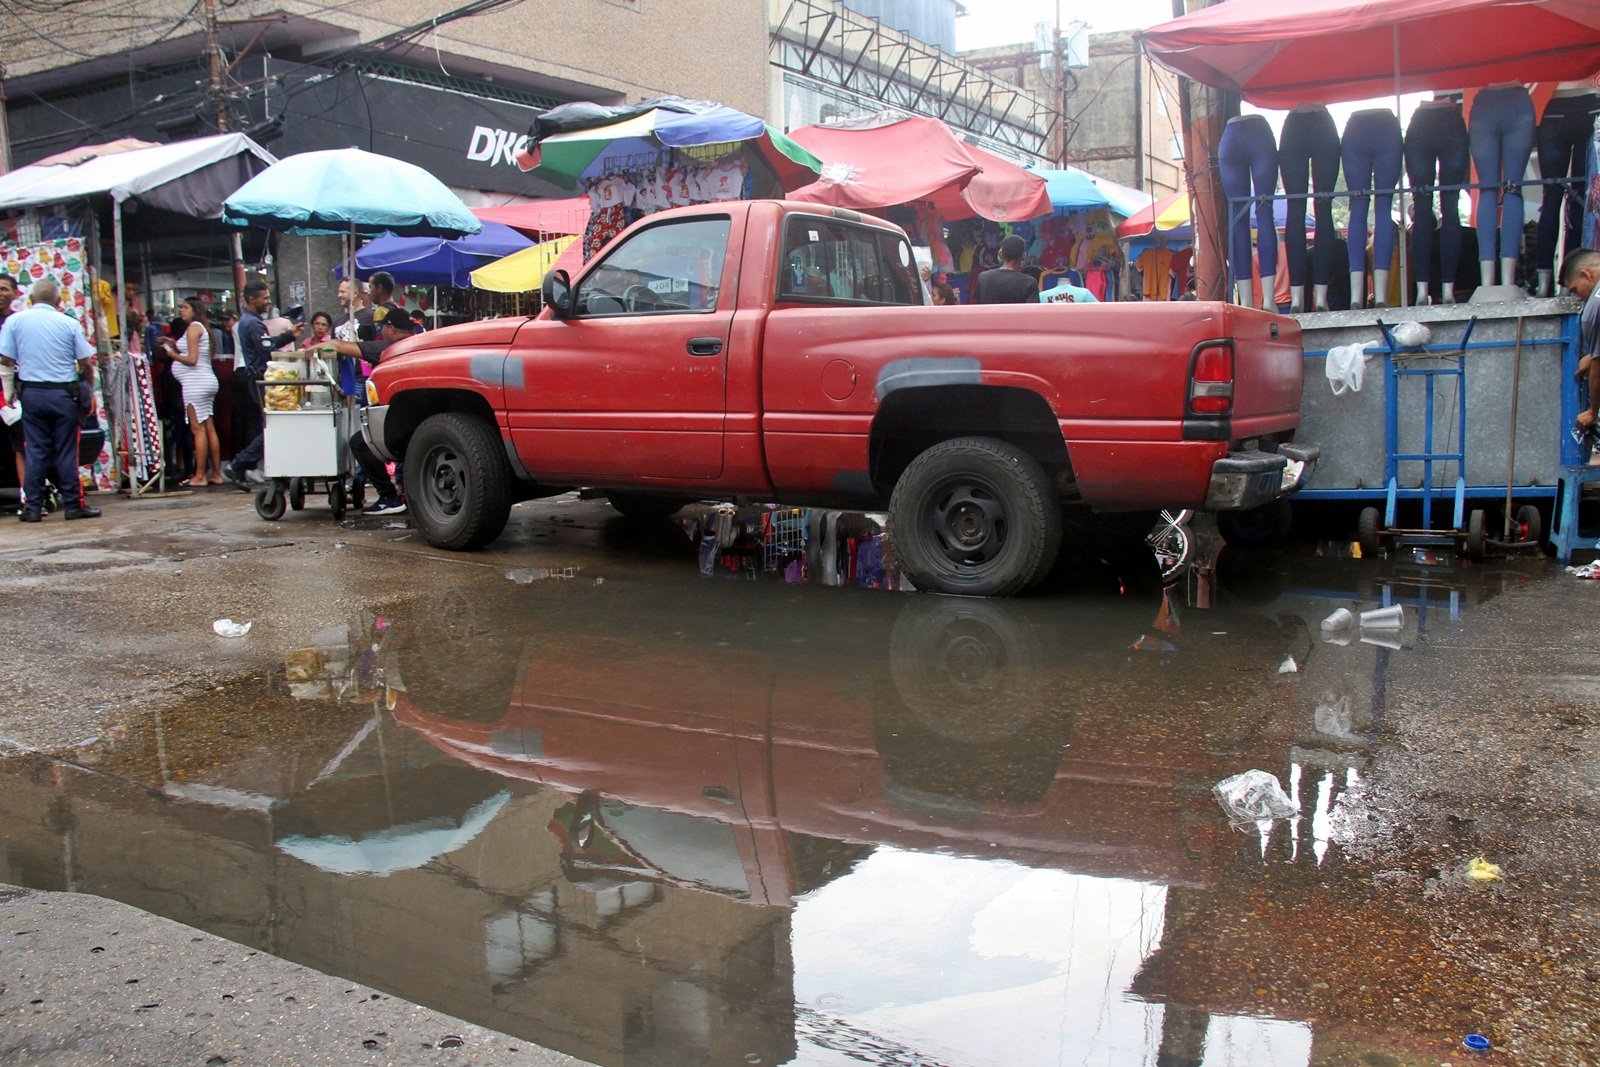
(676, 266)
(829, 261)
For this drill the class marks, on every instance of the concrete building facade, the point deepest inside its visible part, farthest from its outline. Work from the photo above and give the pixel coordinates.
(1120, 117)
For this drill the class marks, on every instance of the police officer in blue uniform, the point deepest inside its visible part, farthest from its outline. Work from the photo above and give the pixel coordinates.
(50, 356)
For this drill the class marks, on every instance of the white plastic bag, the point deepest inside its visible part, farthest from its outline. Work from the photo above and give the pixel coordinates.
(1346, 365)
(1253, 795)
(1411, 334)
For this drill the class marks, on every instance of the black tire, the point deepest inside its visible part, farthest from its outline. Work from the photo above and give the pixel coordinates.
(297, 493)
(1264, 525)
(645, 508)
(974, 516)
(1367, 531)
(336, 500)
(458, 482)
(1476, 546)
(270, 503)
(1529, 526)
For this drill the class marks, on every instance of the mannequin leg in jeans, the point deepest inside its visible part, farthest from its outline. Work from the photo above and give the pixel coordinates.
(1564, 134)
(1436, 153)
(1501, 139)
(1248, 157)
(1308, 155)
(1372, 152)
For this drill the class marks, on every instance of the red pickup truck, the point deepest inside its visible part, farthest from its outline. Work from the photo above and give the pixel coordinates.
(783, 352)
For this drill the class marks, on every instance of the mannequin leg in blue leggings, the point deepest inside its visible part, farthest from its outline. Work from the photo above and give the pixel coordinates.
(1500, 133)
(1564, 133)
(1436, 154)
(1308, 155)
(1248, 158)
(1372, 157)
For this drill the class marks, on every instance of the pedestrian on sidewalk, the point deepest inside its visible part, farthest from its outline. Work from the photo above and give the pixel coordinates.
(48, 355)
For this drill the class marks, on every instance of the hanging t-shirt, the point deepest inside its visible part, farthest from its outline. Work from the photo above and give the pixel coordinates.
(1156, 266)
(611, 190)
(1098, 281)
(1182, 261)
(722, 182)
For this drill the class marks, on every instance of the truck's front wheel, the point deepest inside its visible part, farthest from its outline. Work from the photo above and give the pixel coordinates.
(458, 483)
(974, 516)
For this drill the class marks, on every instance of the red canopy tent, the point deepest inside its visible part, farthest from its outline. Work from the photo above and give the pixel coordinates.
(1280, 54)
(886, 160)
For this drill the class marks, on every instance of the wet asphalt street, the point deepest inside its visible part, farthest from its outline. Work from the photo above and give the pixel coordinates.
(628, 794)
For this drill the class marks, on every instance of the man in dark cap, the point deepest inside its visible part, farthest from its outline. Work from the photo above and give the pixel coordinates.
(393, 323)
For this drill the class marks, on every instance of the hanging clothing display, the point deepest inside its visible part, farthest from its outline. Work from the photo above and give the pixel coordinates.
(1248, 156)
(1436, 155)
(1372, 152)
(1563, 136)
(1308, 157)
(1500, 133)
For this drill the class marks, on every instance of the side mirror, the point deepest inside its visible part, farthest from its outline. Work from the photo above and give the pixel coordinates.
(557, 294)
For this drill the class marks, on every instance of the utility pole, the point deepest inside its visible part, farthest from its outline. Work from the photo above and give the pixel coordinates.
(1061, 94)
(5, 130)
(1203, 112)
(219, 100)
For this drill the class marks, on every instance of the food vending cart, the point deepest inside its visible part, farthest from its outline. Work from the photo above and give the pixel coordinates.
(309, 418)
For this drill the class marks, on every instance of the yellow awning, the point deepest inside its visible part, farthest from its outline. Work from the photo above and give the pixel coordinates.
(521, 272)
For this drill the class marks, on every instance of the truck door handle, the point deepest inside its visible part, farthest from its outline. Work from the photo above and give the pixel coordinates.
(705, 346)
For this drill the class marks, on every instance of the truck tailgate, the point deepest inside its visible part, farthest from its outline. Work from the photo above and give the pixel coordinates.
(1267, 365)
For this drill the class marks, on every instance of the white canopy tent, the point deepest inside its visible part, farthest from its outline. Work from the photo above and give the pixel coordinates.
(187, 177)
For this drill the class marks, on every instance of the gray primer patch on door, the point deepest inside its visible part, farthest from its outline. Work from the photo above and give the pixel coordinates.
(925, 371)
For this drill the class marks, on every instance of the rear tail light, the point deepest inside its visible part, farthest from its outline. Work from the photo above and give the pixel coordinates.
(1211, 383)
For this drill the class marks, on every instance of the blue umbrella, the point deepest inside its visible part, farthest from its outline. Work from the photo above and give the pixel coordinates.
(347, 190)
(436, 261)
(1072, 190)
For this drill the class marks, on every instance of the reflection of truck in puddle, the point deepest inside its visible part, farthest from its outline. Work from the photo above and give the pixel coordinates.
(754, 758)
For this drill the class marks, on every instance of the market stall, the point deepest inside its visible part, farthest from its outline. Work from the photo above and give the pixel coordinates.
(53, 216)
(1451, 438)
(638, 159)
(311, 400)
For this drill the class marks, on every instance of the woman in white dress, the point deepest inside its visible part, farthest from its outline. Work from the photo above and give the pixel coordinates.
(191, 365)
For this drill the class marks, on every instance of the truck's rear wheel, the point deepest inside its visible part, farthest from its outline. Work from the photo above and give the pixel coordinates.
(458, 483)
(974, 516)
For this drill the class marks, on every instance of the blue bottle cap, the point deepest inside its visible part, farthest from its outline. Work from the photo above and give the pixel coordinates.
(1476, 1043)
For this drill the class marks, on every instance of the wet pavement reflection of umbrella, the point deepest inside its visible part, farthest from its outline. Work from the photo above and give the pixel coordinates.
(347, 190)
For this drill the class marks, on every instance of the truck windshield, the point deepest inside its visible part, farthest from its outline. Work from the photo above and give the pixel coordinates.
(829, 261)
(676, 266)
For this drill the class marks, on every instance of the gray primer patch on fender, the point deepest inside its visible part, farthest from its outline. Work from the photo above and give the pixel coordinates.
(496, 370)
(925, 371)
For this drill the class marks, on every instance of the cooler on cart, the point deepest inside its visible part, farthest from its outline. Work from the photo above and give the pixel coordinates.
(309, 414)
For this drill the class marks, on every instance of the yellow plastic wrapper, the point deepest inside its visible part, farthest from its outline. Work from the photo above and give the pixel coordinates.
(1481, 870)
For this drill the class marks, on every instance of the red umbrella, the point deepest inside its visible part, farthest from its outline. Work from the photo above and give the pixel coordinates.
(1320, 51)
(885, 160)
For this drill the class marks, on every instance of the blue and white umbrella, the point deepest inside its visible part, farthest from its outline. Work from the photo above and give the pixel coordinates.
(347, 190)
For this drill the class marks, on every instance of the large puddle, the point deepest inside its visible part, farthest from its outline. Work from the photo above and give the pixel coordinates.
(739, 819)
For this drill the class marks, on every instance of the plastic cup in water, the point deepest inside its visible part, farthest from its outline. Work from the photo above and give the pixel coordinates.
(1339, 620)
(1389, 618)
